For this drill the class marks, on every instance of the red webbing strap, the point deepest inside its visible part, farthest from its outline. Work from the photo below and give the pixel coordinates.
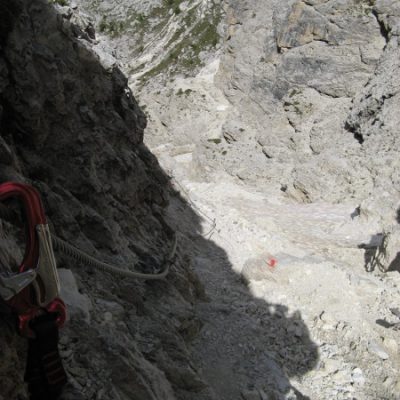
(44, 372)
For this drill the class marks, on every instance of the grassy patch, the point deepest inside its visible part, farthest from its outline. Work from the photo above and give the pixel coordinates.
(185, 55)
(112, 27)
(195, 33)
(115, 28)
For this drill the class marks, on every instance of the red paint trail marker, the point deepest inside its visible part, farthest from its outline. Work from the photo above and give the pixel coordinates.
(272, 262)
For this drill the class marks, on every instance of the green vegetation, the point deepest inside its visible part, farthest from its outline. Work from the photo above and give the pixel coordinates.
(186, 53)
(206, 32)
(297, 107)
(363, 7)
(141, 18)
(116, 28)
(112, 27)
(196, 33)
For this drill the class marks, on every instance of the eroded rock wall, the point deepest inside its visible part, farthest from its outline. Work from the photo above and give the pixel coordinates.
(313, 83)
(71, 127)
(288, 100)
(296, 66)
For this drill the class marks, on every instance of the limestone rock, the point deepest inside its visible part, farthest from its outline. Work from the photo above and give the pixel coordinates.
(71, 127)
(387, 253)
(78, 305)
(376, 349)
(258, 268)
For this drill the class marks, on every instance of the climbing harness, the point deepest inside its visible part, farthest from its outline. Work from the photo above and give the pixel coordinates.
(32, 294)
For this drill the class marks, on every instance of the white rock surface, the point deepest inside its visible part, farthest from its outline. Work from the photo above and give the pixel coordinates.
(78, 305)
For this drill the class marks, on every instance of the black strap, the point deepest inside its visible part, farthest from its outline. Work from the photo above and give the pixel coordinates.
(44, 372)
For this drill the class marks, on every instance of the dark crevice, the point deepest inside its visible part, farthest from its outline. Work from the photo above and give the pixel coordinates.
(357, 135)
(385, 31)
(9, 11)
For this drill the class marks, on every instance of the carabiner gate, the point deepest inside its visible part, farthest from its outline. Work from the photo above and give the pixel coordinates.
(35, 290)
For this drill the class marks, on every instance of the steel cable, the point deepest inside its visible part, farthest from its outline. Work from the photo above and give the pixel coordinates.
(79, 255)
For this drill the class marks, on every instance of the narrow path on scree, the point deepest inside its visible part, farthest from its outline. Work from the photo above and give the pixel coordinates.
(304, 329)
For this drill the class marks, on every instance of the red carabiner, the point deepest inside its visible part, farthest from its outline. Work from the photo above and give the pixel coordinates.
(35, 298)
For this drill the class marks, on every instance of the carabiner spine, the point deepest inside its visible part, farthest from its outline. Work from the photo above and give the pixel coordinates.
(47, 283)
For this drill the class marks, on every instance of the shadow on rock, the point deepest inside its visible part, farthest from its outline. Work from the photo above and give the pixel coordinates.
(248, 348)
(373, 251)
(383, 249)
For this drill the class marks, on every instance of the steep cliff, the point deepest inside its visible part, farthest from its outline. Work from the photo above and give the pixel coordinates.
(285, 135)
(71, 127)
(288, 89)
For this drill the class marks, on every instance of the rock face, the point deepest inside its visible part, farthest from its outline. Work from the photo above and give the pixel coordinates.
(373, 121)
(297, 99)
(297, 95)
(71, 127)
(299, 76)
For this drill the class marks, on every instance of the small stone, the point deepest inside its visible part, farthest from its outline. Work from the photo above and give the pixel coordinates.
(329, 322)
(113, 307)
(65, 354)
(75, 383)
(78, 305)
(64, 339)
(387, 381)
(108, 317)
(375, 348)
(298, 332)
(331, 366)
(358, 376)
(341, 377)
(391, 345)
(107, 61)
(257, 269)
(5, 152)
